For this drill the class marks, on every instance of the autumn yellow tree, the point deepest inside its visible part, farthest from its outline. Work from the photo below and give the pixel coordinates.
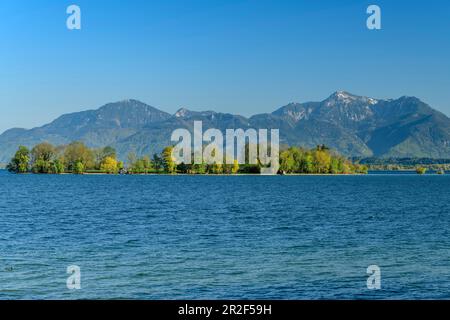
(109, 165)
(235, 168)
(168, 160)
(322, 161)
(346, 168)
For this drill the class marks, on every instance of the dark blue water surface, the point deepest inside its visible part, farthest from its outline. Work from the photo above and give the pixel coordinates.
(227, 237)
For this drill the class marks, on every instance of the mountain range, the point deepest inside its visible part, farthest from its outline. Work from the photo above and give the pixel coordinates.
(353, 125)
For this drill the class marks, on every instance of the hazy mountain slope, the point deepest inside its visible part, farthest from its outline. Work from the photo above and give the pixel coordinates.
(153, 138)
(101, 127)
(353, 125)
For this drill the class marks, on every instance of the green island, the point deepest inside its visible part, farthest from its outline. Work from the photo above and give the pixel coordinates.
(77, 158)
(419, 165)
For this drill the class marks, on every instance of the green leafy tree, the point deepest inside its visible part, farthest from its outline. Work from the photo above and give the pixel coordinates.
(78, 168)
(120, 165)
(157, 162)
(109, 152)
(319, 160)
(297, 154)
(335, 166)
(20, 162)
(199, 168)
(139, 166)
(308, 163)
(41, 166)
(42, 158)
(58, 167)
(147, 164)
(76, 153)
(44, 151)
(322, 161)
(183, 168)
(287, 162)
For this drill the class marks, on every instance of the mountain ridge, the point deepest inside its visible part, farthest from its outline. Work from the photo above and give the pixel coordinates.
(353, 125)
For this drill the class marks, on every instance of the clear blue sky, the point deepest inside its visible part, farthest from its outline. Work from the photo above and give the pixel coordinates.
(237, 56)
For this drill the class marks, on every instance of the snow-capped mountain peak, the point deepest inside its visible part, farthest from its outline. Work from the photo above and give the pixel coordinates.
(182, 112)
(343, 97)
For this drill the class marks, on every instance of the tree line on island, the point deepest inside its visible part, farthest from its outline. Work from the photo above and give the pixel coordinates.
(77, 158)
(420, 165)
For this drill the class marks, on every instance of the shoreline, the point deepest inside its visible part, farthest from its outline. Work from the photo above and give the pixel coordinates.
(381, 172)
(371, 172)
(188, 174)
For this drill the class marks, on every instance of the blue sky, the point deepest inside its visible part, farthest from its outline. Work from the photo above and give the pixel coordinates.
(237, 56)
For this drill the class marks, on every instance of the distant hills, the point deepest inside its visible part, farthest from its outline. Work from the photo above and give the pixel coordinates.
(353, 125)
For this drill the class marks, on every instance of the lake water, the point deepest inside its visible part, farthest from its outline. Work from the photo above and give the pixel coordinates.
(224, 237)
